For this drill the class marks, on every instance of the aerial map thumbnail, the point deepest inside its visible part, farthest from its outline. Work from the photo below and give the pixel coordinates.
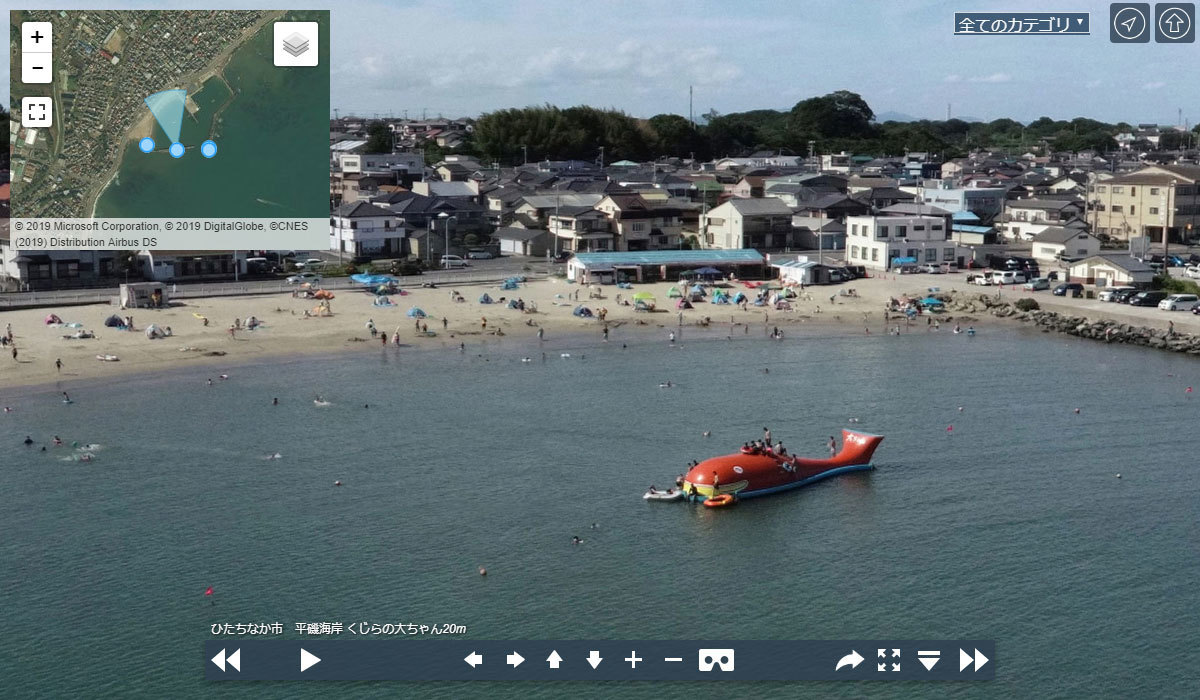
(172, 114)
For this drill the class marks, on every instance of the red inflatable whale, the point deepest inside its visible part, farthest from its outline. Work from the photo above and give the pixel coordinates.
(758, 474)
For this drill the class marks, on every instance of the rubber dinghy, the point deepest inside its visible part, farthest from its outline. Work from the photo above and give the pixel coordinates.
(746, 475)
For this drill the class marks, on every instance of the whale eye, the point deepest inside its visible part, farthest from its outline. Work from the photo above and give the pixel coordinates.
(737, 470)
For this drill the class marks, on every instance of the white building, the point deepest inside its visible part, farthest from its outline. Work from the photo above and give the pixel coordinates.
(876, 241)
(361, 229)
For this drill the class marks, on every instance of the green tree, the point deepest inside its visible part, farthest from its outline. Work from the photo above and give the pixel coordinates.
(379, 138)
(673, 135)
(839, 114)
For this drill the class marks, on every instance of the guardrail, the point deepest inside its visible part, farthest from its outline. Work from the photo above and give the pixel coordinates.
(28, 300)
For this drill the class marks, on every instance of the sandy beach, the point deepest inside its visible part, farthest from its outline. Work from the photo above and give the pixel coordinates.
(287, 331)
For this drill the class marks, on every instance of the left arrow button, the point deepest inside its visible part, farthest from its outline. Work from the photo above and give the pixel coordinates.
(474, 658)
(308, 660)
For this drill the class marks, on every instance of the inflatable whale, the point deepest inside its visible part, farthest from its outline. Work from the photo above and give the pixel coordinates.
(748, 474)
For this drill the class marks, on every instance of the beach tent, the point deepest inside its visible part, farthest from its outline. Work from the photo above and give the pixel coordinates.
(674, 293)
(687, 274)
(484, 298)
(382, 301)
(739, 298)
(154, 332)
(582, 312)
(372, 280)
(414, 312)
(512, 304)
(708, 272)
(53, 318)
(114, 321)
(782, 305)
(643, 295)
(697, 289)
(683, 304)
(933, 304)
(509, 284)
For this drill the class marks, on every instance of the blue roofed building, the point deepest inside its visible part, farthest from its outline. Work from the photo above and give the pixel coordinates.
(660, 265)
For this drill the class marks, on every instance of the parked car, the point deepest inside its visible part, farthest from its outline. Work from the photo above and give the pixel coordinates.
(1192, 271)
(1123, 296)
(309, 264)
(1038, 284)
(449, 261)
(480, 255)
(1179, 302)
(1176, 261)
(1073, 288)
(1008, 277)
(304, 277)
(983, 279)
(931, 268)
(1110, 293)
(1147, 298)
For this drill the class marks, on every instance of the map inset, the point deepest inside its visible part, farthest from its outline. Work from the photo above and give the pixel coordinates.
(170, 114)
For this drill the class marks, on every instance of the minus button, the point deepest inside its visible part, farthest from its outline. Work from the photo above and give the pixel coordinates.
(673, 658)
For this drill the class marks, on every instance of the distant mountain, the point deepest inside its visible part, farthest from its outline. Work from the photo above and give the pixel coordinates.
(894, 117)
(902, 117)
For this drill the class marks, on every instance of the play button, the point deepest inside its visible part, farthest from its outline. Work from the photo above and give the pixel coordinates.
(308, 660)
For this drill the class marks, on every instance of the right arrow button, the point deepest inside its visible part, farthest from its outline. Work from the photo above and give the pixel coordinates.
(980, 659)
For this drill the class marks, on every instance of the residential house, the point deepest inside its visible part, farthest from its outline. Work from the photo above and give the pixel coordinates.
(581, 229)
(748, 186)
(878, 242)
(362, 230)
(31, 269)
(815, 233)
(522, 241)
(985, 202)
(764, 223)
(1059, 243)
(1111, 270)
(533, 211)
(639, 225)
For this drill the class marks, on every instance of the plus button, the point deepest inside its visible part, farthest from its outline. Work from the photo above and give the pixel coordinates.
(633, 659)
(37, 36)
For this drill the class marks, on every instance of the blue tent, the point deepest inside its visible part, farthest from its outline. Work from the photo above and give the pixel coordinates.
(484, 298)
(904, 261)
(582, 312)
(414, 312)
(932, 303)
(372, 280)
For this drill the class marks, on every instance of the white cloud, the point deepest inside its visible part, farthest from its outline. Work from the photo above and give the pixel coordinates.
(1154, 85)
(993, 78)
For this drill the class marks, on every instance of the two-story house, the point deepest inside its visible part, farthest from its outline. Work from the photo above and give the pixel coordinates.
(1025, 218)
(764, 224)
(879, 242)
(581, 229)
(639, 225)
(363, 230)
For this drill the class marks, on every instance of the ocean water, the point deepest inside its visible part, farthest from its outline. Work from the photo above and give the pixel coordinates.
(1010, 527)
(272, 158)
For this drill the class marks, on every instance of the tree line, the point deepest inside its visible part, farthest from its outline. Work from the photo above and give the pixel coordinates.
(838, 121)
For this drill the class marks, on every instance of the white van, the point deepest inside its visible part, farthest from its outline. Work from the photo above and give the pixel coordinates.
(449, 261)
(1008, 277)
(1179, 302)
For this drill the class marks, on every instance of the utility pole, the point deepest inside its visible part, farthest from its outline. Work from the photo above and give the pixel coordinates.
(691, 114)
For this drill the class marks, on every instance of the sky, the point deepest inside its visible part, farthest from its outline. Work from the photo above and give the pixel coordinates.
(424, 57)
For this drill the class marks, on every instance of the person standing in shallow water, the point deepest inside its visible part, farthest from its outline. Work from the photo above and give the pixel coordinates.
(832, 446)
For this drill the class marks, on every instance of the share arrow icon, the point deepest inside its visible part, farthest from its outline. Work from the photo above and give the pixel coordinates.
(853, 659)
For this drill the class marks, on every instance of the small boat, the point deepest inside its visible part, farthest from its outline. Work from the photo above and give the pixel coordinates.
(320, 402)
(668, 495)
(719, 501)
(108, 358)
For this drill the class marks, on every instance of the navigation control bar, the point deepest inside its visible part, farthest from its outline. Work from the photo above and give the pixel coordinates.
(581, 660)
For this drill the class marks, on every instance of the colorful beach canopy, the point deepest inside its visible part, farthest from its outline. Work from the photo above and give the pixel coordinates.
(414, 312)
(643, 295)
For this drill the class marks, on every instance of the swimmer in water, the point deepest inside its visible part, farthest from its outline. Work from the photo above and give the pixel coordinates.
(275, 401)
(66, 397)
(28, 441)
(576, 540)
(58, 440)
